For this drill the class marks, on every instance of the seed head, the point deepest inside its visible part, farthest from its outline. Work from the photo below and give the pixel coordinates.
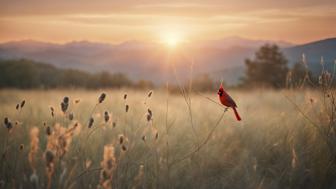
(125, 96)
(66, 100)
(124, 148)
(114, 124)
(8, 124)
(102, 98)
(143, 138)
(64, 106)
(17, 106)
(149, 114)
(156, 135)
(48, 131)
(52, 111)
(22, 103)
(150, 94)
(121, 139)
(106, 116)
(127, 107)
(6, 120)
(21, 147)
(91, 121)
(71, 116)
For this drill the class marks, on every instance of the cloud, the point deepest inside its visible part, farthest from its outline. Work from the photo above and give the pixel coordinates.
(132, 19)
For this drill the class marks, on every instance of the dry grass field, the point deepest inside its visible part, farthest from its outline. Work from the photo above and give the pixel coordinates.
(286, 139)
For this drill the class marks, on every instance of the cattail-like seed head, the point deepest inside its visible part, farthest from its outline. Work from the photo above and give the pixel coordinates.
(6, 120)
(91, 121)
(143, 138)
(124, 148)
(21, 147)
(34, 146)
(71, 116)
(121, 139)
(22, 103)
(101, 97)
(150, 94)
(106, 116)
(77, 101)
(52, 110)
(17, 106)
(126, 108)
(108, 165)
(64, 106)
(66, 100)
(125, 96)
(114, 124)
(8, 124)
(156, 135)
(149, 114)
(48, 130)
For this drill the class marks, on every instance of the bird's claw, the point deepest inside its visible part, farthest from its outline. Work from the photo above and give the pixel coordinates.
(226, 109)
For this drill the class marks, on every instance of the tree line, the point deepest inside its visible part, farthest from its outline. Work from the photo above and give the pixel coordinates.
(27, 74)
(269, 69)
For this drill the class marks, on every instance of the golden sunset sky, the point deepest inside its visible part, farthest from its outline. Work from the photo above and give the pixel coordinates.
(296, 21)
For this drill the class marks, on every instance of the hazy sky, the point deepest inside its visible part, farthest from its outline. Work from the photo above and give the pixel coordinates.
(112, 21)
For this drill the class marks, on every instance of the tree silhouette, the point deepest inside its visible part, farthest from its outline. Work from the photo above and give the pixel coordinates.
(268, 69)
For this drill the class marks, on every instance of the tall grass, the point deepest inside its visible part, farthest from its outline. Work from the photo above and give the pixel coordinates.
(285, 141)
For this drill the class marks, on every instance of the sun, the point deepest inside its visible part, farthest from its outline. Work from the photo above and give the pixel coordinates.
(171, 39)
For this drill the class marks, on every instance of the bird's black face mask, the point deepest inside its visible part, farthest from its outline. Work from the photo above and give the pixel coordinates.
(220, 92)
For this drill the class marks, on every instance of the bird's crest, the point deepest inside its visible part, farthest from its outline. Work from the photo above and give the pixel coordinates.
(221, 84)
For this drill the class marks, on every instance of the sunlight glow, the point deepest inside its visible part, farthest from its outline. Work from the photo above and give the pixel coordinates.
(171, 39)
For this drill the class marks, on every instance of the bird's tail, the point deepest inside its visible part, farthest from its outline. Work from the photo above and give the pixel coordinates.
(236, 113)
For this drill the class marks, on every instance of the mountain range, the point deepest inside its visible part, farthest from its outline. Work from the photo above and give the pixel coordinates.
(221, 59)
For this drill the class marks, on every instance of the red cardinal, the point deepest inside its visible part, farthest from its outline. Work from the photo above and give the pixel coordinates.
(226, 100)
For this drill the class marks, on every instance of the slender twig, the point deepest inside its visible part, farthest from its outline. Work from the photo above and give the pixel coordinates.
(301, 112)
(211, 100)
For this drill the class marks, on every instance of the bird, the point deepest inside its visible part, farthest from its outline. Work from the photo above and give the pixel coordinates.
(227, 101)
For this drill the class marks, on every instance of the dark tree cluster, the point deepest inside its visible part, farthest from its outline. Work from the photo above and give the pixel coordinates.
(268, 69)
(27, 74)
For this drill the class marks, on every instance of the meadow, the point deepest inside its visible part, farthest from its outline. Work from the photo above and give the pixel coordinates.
(155, 139)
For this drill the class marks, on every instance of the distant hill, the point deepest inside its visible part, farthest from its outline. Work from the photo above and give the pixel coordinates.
(313, 52)
(221, 59)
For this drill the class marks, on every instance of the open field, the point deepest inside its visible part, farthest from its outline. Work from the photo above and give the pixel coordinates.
(177, 146)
